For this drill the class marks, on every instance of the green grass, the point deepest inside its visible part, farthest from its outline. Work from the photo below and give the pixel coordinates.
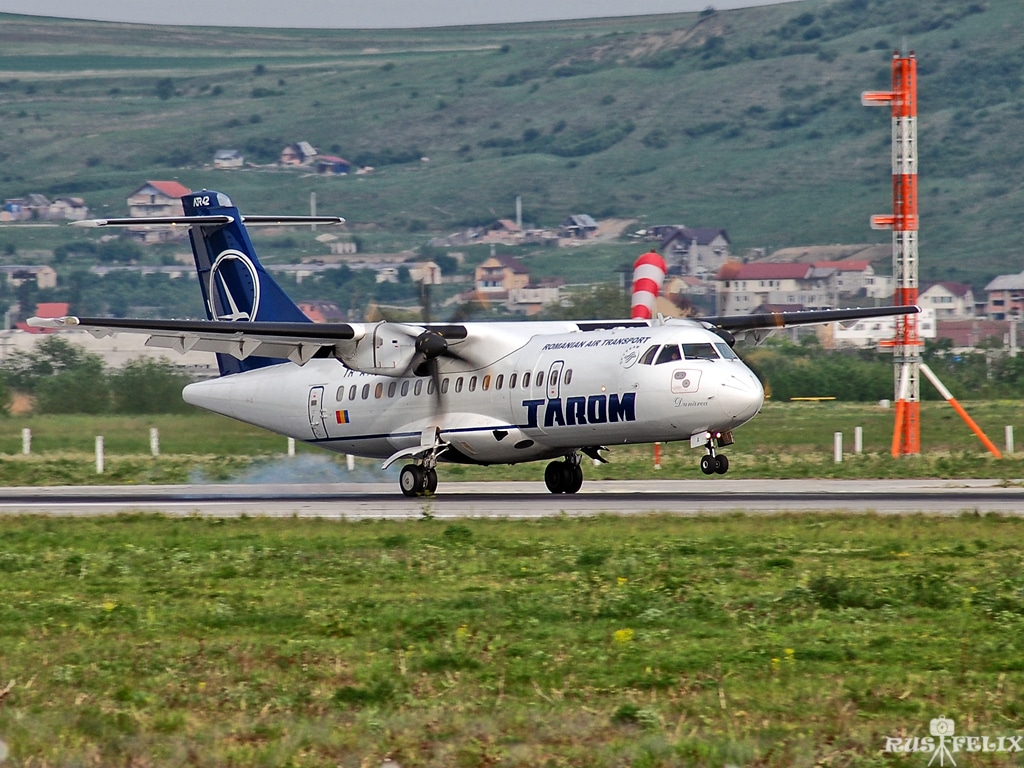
(787, 440)
(648, 641)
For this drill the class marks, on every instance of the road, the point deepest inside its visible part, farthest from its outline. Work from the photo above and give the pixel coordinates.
(525, 500)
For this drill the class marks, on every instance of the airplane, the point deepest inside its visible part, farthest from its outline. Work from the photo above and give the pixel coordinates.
(474, 392)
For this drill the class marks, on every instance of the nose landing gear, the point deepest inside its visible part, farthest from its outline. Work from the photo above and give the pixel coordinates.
(712, 462)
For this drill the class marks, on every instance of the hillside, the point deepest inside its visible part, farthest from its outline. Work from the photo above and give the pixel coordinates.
(749, 120)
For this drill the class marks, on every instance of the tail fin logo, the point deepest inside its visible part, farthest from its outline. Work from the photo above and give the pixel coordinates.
(235, 282)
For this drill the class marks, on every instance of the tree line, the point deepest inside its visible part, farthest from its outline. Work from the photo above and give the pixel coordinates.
(61, 377)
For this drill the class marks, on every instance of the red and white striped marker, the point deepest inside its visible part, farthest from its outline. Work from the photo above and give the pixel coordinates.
(648, 276)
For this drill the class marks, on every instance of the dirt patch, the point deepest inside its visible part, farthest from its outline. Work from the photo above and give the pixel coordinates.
(21, 404)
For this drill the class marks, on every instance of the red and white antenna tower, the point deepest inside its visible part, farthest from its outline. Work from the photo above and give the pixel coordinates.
(906, 345)
(906, 438)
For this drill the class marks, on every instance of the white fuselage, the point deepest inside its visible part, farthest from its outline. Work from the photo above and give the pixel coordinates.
(544, 392)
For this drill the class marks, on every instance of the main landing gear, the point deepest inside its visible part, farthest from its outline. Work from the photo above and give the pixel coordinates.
(564, 476)
(418, 480)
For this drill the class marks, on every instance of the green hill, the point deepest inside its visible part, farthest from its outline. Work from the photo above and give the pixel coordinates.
(749, 120)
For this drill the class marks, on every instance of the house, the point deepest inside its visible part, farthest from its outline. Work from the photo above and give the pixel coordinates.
(503, 231)
(873, 330)
(1005, 297)
(948, 299)
(970, 333)
(426, 272)
(534, 297)
(578, 226)
(847, 278)
(28, 208)
(332, 165)
(228, 158)
(322, 311)
(741, 288)
(49, 310)
(498, 276)
(700, 251)
(157, 198)
(43, 275)
(68, 208)
(299, 153)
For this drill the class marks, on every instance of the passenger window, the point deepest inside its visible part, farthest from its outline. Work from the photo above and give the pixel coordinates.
(378, 391)
(444, 386)
(553, 381)
(341, 393)
(417, 388)
(526, 380)
(512, 381)
(486, 383)
(727, 351)
(458, 384)
(472, 383)
(699, 352)
(540, 379)
(352, 392)
(405, 388)
(568, 376)
(366, 391)
(499, 381)
(669, 354)
(430, 387)
(391, 388)
(648, 357)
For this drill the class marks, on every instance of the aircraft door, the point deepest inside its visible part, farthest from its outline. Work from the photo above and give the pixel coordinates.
(316, 413)
(555, 379)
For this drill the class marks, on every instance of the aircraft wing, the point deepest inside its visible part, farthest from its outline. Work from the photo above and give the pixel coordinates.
(772, 320)
(389, 349)
(298, 342)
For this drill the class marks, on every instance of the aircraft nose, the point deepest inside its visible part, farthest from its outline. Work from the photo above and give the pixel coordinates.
(741, 396)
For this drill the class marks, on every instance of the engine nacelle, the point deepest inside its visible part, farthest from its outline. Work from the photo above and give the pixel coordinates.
(388, 350)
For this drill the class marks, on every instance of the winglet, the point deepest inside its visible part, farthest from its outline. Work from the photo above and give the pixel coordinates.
(52, 322)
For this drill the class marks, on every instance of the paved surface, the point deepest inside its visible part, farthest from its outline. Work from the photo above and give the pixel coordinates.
(524, 500)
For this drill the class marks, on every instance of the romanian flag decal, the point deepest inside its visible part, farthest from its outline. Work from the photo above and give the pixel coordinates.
(342, 417)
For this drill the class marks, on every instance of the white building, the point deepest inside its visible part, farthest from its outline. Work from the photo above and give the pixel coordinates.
(873, 330)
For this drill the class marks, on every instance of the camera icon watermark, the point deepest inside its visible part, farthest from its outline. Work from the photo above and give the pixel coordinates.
(942, 726)
(943, 743)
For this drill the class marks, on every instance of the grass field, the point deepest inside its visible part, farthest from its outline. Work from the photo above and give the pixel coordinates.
(649, 641)
(785, 440)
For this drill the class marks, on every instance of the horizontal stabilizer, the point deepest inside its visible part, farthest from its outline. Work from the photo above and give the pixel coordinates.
(175, 221)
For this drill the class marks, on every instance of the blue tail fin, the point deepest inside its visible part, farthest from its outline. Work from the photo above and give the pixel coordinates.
(235, 285)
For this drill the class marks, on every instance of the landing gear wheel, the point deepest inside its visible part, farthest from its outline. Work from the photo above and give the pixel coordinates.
(708, 464)
(721, 464)
(554, 477)
(575, 476)
(411, 479)
(429, 482)
(563, 476)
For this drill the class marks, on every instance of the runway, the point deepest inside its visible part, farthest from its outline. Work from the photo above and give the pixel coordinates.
(356, 501)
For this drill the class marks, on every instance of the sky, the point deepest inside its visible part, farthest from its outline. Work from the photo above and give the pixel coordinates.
(356, 14)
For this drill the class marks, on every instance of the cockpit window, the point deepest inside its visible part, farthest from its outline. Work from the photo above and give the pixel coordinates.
(699, 352)
(648, 357)
(727, 351)
(669, 354)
